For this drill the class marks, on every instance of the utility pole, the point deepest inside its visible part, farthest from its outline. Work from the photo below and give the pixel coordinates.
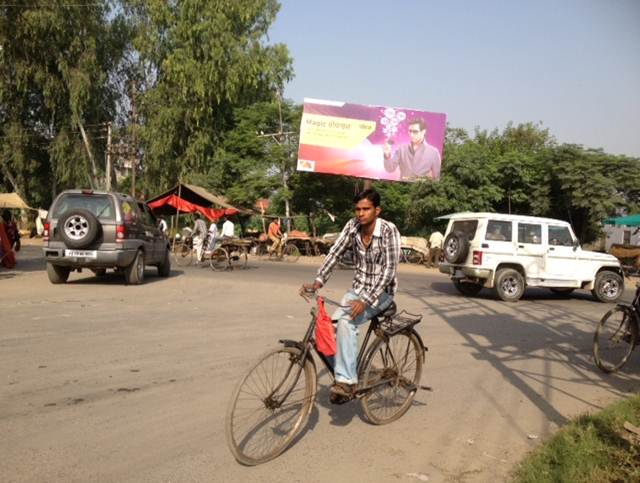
(280, 137)
(108, 169)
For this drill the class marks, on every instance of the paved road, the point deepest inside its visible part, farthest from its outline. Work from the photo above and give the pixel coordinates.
(104, 382)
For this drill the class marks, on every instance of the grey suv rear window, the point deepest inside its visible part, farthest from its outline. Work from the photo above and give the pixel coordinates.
(101, 206)
(467, 227)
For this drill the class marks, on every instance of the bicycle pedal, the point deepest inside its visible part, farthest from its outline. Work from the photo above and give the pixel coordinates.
(426, 388)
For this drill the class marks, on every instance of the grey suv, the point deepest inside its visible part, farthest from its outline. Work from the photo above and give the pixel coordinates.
(100, 230)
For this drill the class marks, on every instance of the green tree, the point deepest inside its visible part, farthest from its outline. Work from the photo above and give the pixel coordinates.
(202, 59)
(57, 84)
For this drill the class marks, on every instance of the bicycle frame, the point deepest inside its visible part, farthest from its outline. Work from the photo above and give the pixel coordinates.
(307, 347)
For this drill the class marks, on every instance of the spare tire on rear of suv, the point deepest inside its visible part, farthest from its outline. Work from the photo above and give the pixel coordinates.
(455, 247)
(79, 228)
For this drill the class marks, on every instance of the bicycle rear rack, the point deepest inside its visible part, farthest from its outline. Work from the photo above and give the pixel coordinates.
(399, 322)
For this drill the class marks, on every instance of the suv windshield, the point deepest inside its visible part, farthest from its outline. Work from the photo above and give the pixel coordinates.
(100, 205)
(466, 227)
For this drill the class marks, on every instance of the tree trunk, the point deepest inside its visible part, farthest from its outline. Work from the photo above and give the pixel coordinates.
(12, 179)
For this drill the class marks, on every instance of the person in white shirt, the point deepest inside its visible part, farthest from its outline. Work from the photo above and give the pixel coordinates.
(435, 248)
(227, 228)
(162, 225)
(198, 234)
(213, 235)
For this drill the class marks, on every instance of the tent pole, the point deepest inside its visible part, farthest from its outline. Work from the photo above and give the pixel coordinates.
(178, 209)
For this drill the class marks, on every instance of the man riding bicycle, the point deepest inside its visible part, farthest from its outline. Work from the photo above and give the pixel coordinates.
(275, 235)
(376, 248)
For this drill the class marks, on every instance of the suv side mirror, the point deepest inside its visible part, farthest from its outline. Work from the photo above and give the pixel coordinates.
(576, 244)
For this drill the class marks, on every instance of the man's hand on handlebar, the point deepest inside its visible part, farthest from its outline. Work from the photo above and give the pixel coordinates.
(357, 307)
(309, 289)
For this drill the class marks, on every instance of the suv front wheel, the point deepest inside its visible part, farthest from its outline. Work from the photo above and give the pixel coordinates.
(509, 284)
(608, 286)
(134, 273)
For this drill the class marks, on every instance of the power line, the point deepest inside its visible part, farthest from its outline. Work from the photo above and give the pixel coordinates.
(64, 5)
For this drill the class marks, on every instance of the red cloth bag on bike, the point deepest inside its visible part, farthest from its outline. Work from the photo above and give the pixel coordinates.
(325, 335)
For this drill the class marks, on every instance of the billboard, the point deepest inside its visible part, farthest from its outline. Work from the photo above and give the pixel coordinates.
(373, 142)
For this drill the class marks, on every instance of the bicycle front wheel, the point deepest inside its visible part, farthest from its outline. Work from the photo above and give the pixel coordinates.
(219, 259)
(270, 405)
(392, 373)
(182, 254)
(614, 339)
(290, 253)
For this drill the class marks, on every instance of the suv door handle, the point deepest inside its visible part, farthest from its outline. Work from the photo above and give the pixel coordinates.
(551, 249)
(520, 246)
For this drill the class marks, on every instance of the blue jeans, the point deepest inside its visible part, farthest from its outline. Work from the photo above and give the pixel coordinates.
(346, 369)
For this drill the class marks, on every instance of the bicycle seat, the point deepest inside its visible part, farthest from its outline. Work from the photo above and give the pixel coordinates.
(389, 311)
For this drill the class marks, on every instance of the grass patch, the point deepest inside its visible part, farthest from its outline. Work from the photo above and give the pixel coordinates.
(590, 448)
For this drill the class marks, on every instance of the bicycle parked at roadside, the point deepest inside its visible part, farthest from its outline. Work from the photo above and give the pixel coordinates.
(271, 403)
(617, 335)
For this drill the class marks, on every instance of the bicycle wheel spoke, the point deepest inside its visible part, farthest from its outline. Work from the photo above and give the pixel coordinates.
(614, 339)
(269, 406)
(392, 374)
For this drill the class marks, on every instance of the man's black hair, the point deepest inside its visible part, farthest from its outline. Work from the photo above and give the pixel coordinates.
(370, 194)
(419, 121)
(6, 216)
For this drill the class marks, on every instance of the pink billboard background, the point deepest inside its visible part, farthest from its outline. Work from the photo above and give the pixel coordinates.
(367, 158)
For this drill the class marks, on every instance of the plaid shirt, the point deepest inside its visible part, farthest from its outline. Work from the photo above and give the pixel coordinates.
(375, 265)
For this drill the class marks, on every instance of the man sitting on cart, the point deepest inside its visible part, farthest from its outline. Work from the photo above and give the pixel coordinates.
(275, 235)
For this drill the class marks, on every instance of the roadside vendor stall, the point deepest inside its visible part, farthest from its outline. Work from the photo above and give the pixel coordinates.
(623, 240)
(188, 198)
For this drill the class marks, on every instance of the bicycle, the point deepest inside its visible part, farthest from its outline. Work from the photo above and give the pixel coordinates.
(411, 255)
(271, 403)
(288, 252)
(617, 335)
(182, 250)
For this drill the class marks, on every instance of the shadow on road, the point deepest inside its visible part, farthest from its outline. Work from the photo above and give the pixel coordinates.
(532, 329)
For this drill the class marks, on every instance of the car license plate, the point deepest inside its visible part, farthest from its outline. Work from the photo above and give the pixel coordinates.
(80, 253)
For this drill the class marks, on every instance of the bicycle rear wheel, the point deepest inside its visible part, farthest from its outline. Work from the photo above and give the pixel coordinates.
(392, 371)
(183, 254)
(290, 253)
(238, 257)
(614, 339)
(270, 405)
(219, 259)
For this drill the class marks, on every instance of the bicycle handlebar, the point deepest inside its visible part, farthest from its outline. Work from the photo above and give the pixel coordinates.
(308, 294)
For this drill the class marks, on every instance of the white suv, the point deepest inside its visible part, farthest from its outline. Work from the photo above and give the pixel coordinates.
(512, 252)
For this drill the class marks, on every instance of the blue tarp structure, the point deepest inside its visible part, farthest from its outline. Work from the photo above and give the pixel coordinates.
(630, 220)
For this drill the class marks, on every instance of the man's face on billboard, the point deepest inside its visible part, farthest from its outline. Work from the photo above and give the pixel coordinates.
(416, 134)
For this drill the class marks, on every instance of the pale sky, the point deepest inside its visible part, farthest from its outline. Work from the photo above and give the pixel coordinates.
(573, 65)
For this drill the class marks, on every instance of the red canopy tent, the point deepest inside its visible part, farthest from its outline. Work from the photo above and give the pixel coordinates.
(186, 198)
(183, 206)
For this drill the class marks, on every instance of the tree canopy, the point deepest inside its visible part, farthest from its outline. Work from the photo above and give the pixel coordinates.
(194, 92)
